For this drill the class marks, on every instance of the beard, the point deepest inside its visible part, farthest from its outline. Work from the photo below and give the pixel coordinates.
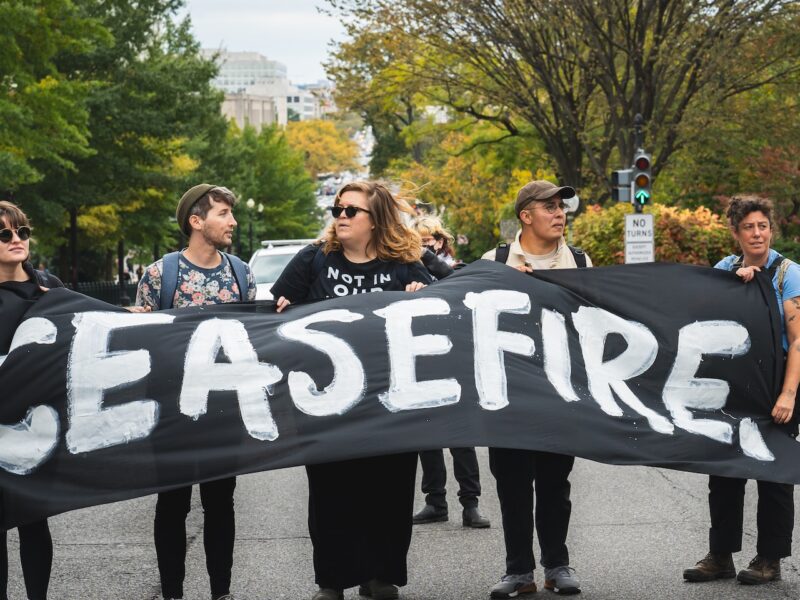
(220, 241)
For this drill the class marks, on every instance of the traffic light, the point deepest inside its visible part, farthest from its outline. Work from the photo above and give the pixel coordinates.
(642, 177)
(621, 185)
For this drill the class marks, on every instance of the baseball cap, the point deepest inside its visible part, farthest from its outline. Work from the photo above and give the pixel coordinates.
(540, 190)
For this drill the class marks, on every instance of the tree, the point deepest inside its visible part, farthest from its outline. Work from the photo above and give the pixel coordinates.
(577, 71)
(43, 118)
(325, 148)
(264, 167)
(151, 94)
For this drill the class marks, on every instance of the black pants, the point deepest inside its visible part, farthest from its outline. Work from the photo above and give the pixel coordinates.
(515, 472)
(36, 555)
(434, 476)
(359, 517)
(219, 531)
(775, 517)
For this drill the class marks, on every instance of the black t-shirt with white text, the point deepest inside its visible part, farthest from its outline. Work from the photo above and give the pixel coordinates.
(340, 277)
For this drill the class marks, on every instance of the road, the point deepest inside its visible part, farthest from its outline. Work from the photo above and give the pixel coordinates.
(633, 531)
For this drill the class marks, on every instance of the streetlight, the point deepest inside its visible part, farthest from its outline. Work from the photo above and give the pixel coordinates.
(251, 204)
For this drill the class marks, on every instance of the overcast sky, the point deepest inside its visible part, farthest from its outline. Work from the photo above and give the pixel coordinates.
(290, 31)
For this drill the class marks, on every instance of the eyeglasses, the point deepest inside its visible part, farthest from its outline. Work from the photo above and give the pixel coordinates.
(349, 211)
(23, 233)
(551, 207)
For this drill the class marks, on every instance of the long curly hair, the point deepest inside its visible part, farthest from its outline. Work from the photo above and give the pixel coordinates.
(392, 239)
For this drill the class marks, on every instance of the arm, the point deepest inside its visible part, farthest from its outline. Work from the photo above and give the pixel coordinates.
(784, 406)
(148, 292)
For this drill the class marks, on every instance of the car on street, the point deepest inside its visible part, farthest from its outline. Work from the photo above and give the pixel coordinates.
(268, 262)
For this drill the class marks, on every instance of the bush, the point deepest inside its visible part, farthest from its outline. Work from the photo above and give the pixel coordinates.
(692, 236)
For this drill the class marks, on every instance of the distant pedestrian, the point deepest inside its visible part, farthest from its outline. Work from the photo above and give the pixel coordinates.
(540, 244)
(465, 462)
(360, 537)
(199, 275)
(751, 226)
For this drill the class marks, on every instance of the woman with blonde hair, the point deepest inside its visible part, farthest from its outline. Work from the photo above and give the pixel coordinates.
(358, 541)
(436, 238)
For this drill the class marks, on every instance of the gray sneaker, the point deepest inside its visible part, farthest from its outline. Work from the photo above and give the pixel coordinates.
(562, 580)
(511, 586)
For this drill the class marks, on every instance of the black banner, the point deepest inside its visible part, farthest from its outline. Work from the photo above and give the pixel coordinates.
(660, 364)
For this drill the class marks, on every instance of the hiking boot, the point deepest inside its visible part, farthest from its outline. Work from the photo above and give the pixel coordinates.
(379, 590)
(328, 594)
(471, 517)
(713, 566)
(562, 580)
(761, 570)
(430, 514)
(511, 586)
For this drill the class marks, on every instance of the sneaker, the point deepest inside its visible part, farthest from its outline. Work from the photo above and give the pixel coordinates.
(471, 517)
(761, 570)
(430, 514)
(511, 586)
(713, 566)
(562, 580)
(379, 590)
(328, 594)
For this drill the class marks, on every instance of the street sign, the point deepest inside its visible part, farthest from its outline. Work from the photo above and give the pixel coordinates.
(639, 239)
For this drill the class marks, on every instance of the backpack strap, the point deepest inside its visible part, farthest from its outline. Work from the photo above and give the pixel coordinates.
(502, 252)
(782, 268)
(579, 255)
(169, 280)
(780, 265)
(239, 269)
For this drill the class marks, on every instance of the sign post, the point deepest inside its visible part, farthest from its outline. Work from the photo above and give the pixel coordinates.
(639, 239)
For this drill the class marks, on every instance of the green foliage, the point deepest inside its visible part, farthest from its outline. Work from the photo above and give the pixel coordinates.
(43, 118)
(263, 166)
(691, 236)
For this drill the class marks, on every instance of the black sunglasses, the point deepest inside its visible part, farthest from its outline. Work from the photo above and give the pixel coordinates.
(23, 233)
(349, 211)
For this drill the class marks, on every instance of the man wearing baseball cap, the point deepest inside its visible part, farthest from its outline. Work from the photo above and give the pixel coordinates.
(198, 275)
(541, 208)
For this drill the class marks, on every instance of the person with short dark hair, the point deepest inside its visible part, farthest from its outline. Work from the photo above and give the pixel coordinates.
(21, 285)
(201, 274)
(751, 225)
(541, 209)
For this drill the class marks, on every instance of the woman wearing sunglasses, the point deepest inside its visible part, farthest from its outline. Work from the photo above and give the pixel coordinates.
(359, 540)
(22, 285)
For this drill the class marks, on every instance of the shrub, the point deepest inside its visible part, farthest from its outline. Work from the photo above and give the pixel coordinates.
(692, 236)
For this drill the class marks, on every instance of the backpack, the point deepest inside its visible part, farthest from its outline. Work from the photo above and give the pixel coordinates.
(169, 277)
(319, 262)
(503, 250)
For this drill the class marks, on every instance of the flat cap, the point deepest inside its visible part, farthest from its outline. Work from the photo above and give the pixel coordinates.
(540, 190)
(187, 201)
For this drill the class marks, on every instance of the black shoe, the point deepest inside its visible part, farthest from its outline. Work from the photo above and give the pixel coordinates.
(430, 514)
(378, 590)
(473, 518)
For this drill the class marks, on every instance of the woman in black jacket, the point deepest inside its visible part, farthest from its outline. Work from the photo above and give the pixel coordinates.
(23, 286)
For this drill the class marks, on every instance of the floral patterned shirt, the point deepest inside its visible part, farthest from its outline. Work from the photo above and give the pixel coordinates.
(196, 286)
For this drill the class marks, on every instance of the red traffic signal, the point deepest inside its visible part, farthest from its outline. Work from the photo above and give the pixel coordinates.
(642, 162)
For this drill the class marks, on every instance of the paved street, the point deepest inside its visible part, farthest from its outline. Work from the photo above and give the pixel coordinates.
(633, 531)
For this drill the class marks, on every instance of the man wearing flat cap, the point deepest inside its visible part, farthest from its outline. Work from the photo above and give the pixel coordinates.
(541, 208)
(198, 275)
